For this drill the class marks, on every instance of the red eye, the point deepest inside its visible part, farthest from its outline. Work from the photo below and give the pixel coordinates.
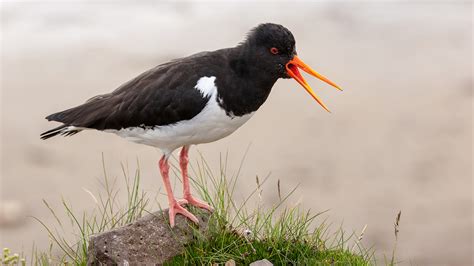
(274, 50)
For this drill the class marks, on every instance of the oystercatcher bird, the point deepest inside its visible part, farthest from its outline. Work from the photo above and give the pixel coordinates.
(192, 100)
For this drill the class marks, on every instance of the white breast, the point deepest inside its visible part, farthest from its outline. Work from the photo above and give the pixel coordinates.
(211, 124)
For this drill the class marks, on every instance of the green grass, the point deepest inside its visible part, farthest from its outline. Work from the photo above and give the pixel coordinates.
(247, 232)
(110, 212)
(243, 231)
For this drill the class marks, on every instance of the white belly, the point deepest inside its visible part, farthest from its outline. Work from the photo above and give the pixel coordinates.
(211, 124)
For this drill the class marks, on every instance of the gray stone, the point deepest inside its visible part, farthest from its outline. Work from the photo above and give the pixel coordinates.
(148, 241)
(263, 262)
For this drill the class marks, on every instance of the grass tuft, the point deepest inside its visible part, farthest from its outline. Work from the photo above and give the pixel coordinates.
(284, 236)
(243, 231)
(109, 213)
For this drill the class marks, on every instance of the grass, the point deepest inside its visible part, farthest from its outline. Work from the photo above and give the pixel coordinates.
(110, 212)
(11, 259)
(279, 234)
(242, 232)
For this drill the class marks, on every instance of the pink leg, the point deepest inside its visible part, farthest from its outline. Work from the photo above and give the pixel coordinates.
(175, 208)
(183, 163)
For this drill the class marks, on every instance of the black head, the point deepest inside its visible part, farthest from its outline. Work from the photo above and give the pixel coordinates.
(270, 50)
(273, 46)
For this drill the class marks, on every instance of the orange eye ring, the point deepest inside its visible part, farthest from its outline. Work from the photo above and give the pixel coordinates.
(274, 50)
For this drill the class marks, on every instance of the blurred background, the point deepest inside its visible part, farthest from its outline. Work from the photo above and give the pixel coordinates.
(399, 137)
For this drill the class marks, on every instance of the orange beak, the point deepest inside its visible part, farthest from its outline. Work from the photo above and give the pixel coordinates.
(292, 70)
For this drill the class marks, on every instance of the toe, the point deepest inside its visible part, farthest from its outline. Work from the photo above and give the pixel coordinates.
(199, 203)
(189, 215)
(171, 215)
(177, 208)
(182, 201)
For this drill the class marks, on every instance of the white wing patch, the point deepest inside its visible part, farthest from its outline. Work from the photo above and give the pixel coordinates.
(206, 86)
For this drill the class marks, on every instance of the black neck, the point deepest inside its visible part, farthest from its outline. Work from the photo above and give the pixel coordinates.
(250, 85)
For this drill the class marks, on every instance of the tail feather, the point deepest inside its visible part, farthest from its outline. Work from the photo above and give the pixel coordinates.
(64, 130)
(93, 114)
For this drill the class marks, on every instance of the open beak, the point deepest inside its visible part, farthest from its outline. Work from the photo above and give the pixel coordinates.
(292, 70)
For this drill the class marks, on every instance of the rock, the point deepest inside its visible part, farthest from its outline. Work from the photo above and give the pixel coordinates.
(148, 241)
(263, 262)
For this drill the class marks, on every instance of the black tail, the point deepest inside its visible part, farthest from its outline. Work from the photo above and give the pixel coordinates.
(65, 130)
(93, 114)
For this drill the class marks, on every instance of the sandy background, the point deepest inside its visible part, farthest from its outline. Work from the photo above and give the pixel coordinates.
(399, 138)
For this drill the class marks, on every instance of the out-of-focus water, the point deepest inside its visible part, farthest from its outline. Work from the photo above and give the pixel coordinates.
(399, 137)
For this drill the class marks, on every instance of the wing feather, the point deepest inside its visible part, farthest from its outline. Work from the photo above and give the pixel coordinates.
(160, 96)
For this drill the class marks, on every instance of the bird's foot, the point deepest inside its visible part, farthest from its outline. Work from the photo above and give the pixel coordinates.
(176, 208)
(197, 203)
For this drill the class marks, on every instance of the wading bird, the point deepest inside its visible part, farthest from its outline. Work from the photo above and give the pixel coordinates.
(197, 99)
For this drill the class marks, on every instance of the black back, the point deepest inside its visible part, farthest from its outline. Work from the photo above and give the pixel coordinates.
(161, 96)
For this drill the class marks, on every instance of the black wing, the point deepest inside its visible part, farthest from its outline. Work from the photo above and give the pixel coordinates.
(161, 96)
